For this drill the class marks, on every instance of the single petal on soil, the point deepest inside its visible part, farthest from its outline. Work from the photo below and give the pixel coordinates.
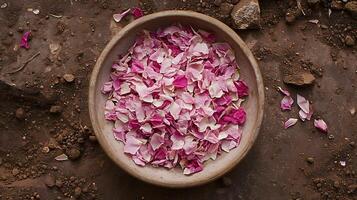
(290, 122)
(303, 103)
(321, 125)
(137, 12)
(286, 103)
(25, 40)
(132, 145)
(118, 17)
(284, 92)
(156, 141)
(302, 115)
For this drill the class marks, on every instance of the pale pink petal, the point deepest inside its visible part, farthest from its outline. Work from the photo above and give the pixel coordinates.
(303, 103)
(118, 17)
(290, 122)
(178, 141)
(138, 161)
(175, 110)
(132, 145)
(286, 103)
(107, 87)
(156, 141)
(228, 145)
(321, 125)
(302, 115)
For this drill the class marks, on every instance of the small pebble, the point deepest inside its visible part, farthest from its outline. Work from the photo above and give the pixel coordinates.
(217, 2)
(310, 160)
(20, 113)
(55, 109)
(77, 192)
(73, 153)
(350, 41)
(69, 78)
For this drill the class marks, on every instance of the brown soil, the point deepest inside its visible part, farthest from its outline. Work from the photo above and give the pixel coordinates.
(43, 114)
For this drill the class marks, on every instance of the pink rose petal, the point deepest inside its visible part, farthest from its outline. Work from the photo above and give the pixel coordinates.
(137, 12)
(242, 88)
(180, 81)
(321, 125)
(290, 122)
(285, 92)
(156, 141)
(286, 103)
(25, 40)
(303, 103)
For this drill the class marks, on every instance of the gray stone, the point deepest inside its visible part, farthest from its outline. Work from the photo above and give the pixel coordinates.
(246, 14)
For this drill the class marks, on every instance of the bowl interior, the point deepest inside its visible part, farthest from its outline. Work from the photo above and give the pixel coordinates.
(249, 73)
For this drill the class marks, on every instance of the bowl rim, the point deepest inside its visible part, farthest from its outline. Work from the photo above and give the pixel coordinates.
(177, 13)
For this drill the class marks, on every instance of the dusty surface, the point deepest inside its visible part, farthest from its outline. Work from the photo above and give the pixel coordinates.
(298, 163)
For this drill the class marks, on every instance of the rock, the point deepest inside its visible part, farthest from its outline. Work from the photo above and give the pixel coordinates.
(20, 113)
(69, 78)
(351, 7)
(292, 15)
(299, 78)
(352, 188)
(50, 181)
(58, 183)
(55, 109)
(217, 2)
(225, 9)
(77, 192)
(73, 153)
(92, 138)
(336, 5)
(353, 111)
(15, 171)
(246, 14)
(310, 160)
(350, 41)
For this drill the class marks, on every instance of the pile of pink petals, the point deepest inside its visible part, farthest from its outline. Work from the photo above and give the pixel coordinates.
(175, 99)
(305, 112)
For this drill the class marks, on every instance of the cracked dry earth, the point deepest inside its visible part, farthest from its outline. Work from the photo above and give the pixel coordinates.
(43, 112)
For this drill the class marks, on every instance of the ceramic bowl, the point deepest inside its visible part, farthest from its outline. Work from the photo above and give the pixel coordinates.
(254, 104)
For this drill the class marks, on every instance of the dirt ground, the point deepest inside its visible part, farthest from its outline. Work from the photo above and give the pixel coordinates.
(43, 116)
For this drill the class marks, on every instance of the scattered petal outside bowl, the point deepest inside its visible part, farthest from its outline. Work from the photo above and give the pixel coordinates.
(254, 105)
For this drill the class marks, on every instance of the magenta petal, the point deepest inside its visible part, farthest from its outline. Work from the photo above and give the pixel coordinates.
(25, 40)
(137, 12)
(240, 116)
(242, 88)
(321, 125)
(290, 122)
(286, 103)
(180, 81)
